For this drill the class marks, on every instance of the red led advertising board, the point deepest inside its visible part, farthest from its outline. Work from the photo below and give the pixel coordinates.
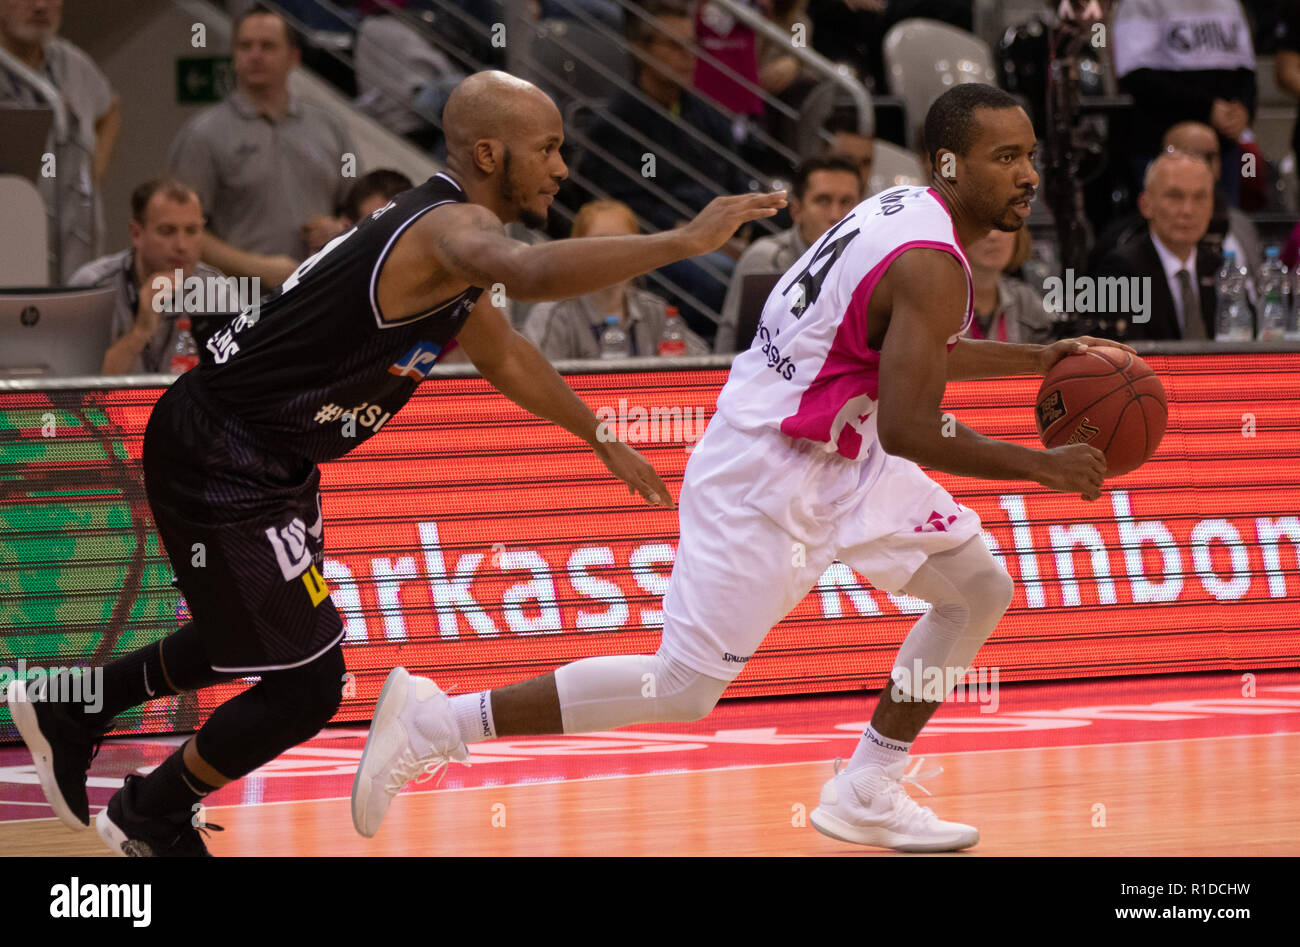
(476, 544)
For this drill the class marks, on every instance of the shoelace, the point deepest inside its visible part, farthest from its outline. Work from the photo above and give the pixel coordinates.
(904, 806)
(914, 777)
(409, 765)
(194, 836)
(93, 751)
(911, 777)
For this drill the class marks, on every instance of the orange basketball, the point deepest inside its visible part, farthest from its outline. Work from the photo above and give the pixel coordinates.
(1108, 398)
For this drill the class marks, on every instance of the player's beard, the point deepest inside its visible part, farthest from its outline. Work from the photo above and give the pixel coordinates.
(513, 195)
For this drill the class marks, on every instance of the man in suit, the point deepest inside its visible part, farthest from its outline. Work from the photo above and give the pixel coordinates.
(1230, 227)
(1177, 200)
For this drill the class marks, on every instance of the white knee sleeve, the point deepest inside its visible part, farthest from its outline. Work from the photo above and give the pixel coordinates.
(608, 692)
(969, 593)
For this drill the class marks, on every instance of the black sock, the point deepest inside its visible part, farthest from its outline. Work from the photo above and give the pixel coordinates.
(130, 680)
(169, 790)
(144, 675)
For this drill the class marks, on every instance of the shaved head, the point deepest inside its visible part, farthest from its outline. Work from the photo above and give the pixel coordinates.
(503, 144)
(494, 105)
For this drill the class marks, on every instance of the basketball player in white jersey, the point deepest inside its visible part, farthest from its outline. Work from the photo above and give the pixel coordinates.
(813, 456)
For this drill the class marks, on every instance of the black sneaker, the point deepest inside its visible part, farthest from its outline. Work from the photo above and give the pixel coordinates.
(61, 747)
(127, 833)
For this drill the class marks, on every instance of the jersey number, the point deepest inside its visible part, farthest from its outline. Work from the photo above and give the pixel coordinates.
(312, 260)
(809, 283)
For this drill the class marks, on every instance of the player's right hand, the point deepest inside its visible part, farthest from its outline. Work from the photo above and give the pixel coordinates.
(1074, 468)
(634, 470)
(723, 216)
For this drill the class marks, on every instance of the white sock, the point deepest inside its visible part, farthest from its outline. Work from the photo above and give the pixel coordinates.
(474, 716)
(875, 750)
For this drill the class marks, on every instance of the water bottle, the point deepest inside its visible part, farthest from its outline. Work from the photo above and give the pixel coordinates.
(613, 340)
(1234, 321)
(185, 353)
(1272, 293)
(672, 341)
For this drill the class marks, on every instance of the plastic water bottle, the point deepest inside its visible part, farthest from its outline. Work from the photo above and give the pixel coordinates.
(1272, 293)
(1234, 321)
(672, 341)
(613, 340)
(185, 353)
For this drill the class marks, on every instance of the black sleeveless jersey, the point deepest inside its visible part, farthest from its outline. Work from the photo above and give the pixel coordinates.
(317, 371)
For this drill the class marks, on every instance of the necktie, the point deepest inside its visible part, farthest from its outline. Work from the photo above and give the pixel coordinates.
(1193, 324)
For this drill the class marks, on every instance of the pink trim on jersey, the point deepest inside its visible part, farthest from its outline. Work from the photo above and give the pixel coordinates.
(852, 366)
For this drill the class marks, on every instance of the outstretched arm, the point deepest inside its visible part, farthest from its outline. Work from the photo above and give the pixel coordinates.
(470, 243)
(513, 366)
(985, 358)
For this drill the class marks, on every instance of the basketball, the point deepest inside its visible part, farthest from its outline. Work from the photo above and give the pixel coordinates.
(1105, 397)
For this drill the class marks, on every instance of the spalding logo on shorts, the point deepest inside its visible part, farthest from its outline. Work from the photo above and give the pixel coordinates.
(1085, 432)
(1050, 410)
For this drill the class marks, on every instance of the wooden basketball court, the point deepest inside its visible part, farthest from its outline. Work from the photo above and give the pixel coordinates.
(1203, 775)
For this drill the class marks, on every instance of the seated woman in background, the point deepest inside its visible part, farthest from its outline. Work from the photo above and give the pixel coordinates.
(572, 328)
(1007, 309)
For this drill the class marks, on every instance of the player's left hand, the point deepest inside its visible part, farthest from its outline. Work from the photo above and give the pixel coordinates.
(634, 470)
(1051, 354)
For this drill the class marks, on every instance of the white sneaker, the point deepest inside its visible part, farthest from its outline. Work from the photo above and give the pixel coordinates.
(413, 730)
(869, 806)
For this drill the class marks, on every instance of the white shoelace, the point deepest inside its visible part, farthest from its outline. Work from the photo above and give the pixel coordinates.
(409, 766)
(903, 806)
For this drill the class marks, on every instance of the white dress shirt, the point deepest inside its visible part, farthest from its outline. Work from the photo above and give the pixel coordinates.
(1172, 265)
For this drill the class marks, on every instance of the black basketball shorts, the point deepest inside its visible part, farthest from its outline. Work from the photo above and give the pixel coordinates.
(242, 527)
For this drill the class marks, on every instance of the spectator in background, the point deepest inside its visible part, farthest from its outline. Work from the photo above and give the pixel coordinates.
(665, 163)
(734, 45)
(1007, 309)
(571, 328)
(1185, 60)
(371, 192)
(267, 165)
(1286, 67)
(1177, 201)
(402, 80)
(166, 230)
(824, 189)
(28, 32)
(1230, 228)
(847, 141)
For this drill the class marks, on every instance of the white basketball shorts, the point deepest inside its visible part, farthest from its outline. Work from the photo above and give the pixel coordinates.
(762, 517)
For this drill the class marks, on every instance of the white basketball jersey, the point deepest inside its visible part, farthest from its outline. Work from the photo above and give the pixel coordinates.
(809, 371)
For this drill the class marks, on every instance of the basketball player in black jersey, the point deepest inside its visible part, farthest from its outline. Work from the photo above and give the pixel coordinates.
(232, 448)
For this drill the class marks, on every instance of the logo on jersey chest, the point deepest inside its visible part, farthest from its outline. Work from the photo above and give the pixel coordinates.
(417, 362)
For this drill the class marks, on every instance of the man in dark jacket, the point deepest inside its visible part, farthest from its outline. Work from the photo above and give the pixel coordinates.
(1177, 202)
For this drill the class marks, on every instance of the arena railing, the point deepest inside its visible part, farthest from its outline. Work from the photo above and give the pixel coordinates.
(62, 142)
(519, 61)
(645, 364)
